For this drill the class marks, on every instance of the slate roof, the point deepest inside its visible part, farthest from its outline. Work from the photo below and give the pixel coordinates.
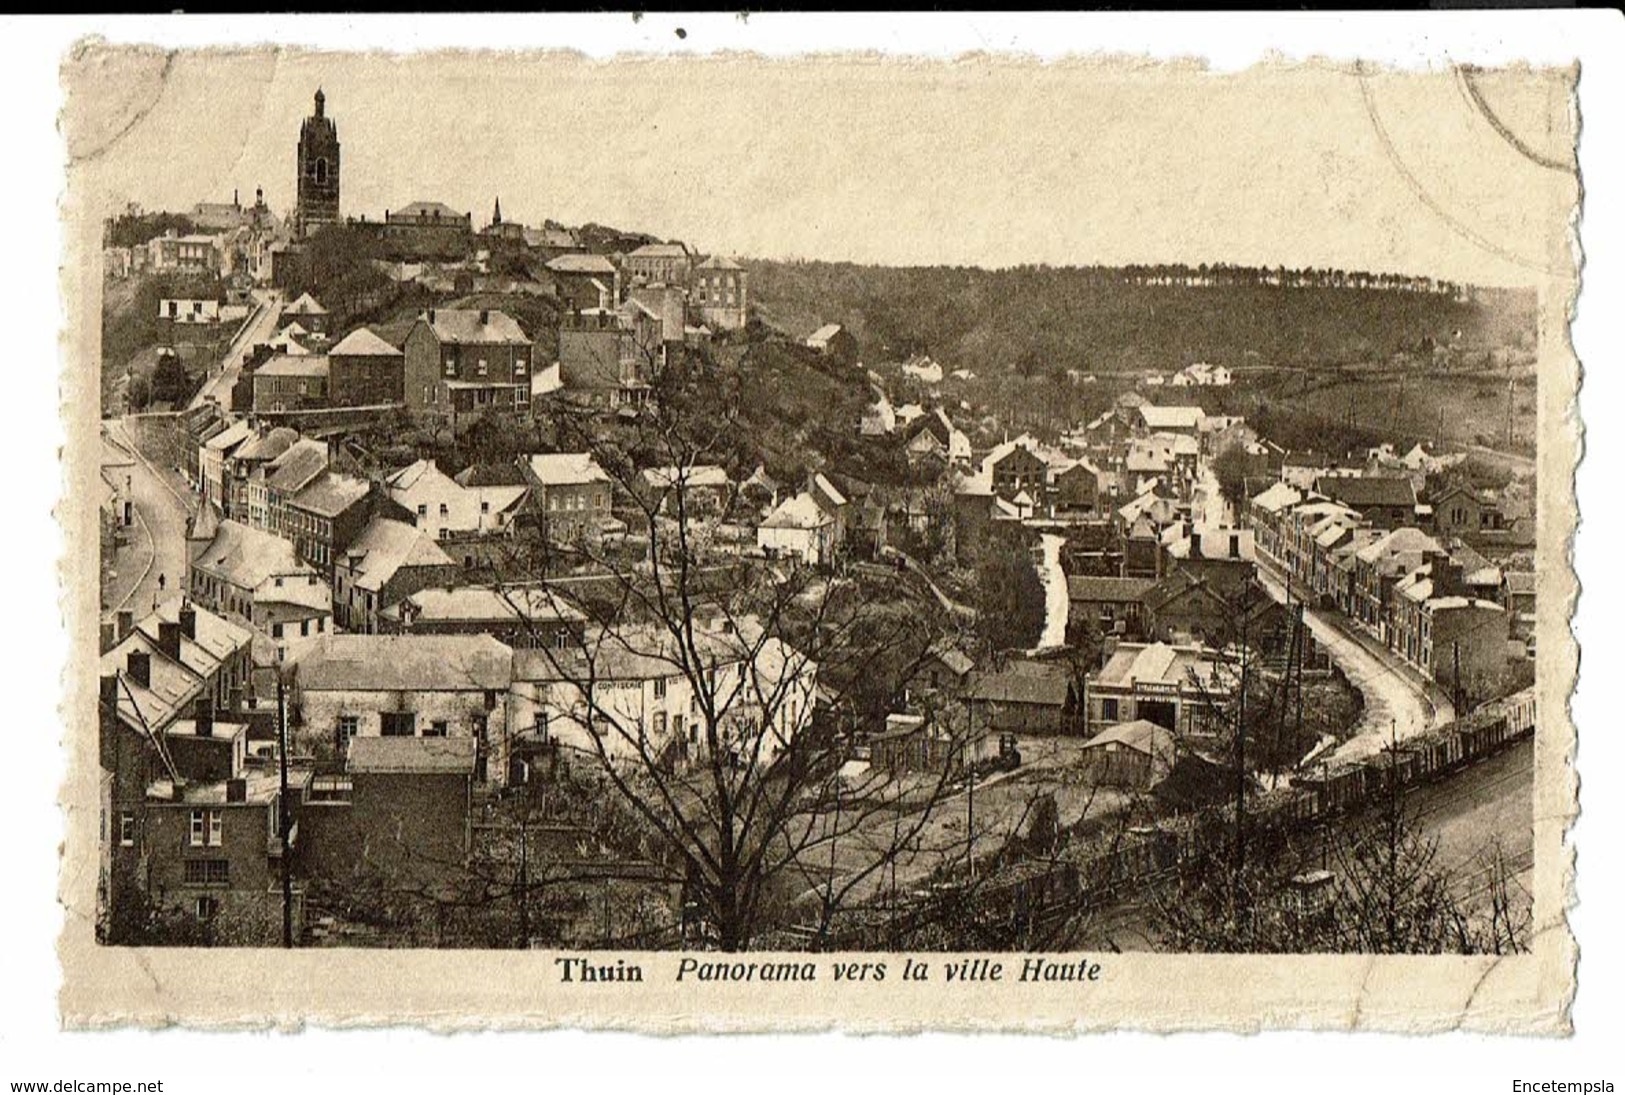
(331, 494)
(1367, 490)
(230, 437)
(411, 756)
(406, 663)
(306, 305)
(462, 325)
(554, 469)
(581, 264)
(660, 251)
(303, 461)
(1156, 663)
(1165, 418)
(306, 365)
(488, 604)
(272, 445)
(362, 342)
(1106, 590)
(1042, 683)
(246, 556)
(1141, 735)
(799, 512)
(386, 546)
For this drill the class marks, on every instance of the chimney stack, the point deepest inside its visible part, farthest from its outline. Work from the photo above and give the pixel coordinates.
(125, 621)
(169, 640)
(237, 790)
(203, 716)
(138, 664)
(188, 620)
(109, 690)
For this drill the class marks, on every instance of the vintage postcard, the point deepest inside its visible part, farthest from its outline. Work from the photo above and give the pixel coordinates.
(720, 542)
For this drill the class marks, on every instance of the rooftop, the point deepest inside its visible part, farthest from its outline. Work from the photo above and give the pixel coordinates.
(1157, 663)
(405, 663)
(246, 557)
(1106, 590)
(1141, 735)
(799, 512)
(412, 756)
(386, 546)
(465, 325)
(581, 264)
(553, 469)
(363, 342)
(330, 494)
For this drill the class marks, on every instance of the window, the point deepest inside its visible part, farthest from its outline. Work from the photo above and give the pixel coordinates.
(321, 170)
(304, 627)
(1108, 710)
(423, 509)
(660, 725)
(399, 724)
(321, 624)
(485, 507)
(214, 828)
(206, 908)
(276, 631)
(444, 511)
(198, 828)
(279, 581)
(437, 729)
(660, 688)
(539, 727)
(126, 829)
(482, 368)
(207, 872)
(348, 726)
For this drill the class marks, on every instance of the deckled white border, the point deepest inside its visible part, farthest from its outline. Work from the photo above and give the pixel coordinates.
(1227, 41)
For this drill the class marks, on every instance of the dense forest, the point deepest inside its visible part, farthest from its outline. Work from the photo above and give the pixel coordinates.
(1033, 320)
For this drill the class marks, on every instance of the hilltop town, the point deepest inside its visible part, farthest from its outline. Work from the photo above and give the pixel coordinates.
(481, 583)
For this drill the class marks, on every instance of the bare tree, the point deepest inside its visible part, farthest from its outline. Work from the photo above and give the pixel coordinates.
(748, 781)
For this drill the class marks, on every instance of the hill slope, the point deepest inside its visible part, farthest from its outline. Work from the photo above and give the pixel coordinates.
(1043, 319)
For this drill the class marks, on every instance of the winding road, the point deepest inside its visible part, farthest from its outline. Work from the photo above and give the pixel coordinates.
(162, 507)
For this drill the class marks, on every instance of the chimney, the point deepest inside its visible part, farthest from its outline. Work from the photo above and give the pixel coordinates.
(169, 640)
(188, 620)
(203, 716)
(138, 664)
(237, 790)
(107, 636)
(125, 623)
(109, 690)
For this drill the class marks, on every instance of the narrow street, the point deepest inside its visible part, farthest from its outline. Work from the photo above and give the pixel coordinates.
(157, 546)
(1056, 603)
(1398, 702)
(223, 377)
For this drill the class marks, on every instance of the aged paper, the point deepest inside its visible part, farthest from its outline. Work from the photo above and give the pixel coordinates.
(729, 543)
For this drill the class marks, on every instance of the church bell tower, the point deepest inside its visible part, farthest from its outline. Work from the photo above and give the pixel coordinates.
(318, 171)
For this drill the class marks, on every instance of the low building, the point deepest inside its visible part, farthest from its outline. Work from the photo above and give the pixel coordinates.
(1176, 687)
(405, 686)
(835, 342)
(1027, 697)
(290, 383)
(521, 616)
(587, 283)
(1111, 605)
(448, 510)
(799, 529)
(1180, 420)
(366, 371)
(659, 264)
(389, 560)
(308, 313)
(699, 490)
(571, 494)
(258, 578)
(1131, 756)
(428, 230)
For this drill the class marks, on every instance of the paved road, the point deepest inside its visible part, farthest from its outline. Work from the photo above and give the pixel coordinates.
(1398, 702)
(217, 388)
(158, 545)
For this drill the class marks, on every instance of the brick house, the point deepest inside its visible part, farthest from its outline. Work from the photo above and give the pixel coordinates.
(365, 371)
(570, 493)
(460, 361)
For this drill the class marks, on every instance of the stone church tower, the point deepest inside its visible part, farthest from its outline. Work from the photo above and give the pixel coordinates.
(318, 171)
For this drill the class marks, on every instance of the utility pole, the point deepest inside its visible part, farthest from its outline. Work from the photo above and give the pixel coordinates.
(284, 814)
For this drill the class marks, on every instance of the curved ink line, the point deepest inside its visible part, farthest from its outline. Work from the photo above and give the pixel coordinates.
(1427, 199)
(1476, 98)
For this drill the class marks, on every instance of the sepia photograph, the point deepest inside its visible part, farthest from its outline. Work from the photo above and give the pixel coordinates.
(987, 520)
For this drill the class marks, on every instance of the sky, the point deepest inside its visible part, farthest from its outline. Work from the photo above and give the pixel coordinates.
(986, 162)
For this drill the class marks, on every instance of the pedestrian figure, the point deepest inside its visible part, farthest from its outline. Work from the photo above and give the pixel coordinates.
(161, 581)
